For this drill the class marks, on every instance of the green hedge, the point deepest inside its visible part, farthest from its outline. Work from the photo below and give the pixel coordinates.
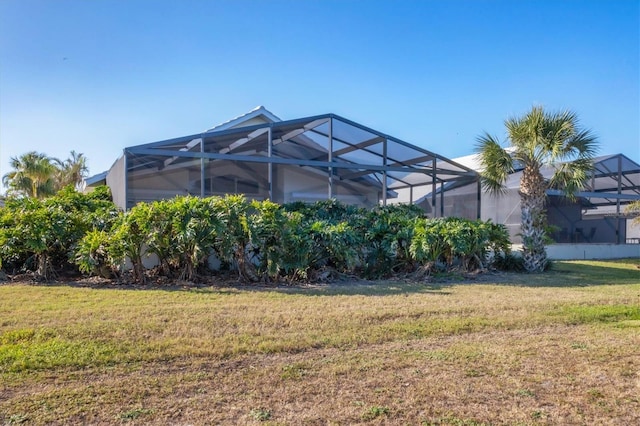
(42, 235)
(263, 241)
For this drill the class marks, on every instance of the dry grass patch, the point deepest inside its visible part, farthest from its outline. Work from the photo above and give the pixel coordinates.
(516, 352)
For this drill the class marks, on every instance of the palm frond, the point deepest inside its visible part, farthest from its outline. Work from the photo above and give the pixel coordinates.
(496, 163)
(581, 145)
(557, 129)
(525, 134)
(571, 177)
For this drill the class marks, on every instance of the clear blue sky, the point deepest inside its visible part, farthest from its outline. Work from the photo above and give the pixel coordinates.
(97, 76)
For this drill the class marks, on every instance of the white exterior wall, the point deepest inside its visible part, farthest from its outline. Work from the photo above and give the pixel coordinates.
(504, 209)
(593, 251)
(405, 195)
(116, 181)
(301, 184)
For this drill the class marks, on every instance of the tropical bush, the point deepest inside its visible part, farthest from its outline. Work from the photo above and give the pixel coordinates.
(42, 235)
(443, 242)
(508, 262)
(388, 232)
(261, 240)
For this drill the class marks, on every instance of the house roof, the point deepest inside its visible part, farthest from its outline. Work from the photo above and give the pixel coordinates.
(100, 178)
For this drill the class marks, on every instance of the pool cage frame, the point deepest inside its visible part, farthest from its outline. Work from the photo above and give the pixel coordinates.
(351, 160)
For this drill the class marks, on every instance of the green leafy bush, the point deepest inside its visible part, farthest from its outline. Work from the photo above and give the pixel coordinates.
(42, 235)
(262, 240)
(388, 232)
(442, 242)
(93, 254)
(128, 238)
(508, 262)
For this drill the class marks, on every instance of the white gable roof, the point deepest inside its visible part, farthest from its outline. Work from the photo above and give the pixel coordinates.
(472, 161)
(258, 115)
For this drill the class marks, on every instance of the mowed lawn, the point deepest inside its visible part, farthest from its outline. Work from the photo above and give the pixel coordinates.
(556, 348)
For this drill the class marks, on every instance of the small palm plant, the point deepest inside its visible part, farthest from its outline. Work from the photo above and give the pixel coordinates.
(538, 139)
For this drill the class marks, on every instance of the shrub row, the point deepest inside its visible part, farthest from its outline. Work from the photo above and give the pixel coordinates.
(42, 235)
(261, 240)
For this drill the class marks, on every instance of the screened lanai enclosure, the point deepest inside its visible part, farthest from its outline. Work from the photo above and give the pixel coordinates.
(596, 215)
(307, 159)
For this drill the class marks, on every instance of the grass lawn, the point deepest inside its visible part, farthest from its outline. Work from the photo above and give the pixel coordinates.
(557, 348)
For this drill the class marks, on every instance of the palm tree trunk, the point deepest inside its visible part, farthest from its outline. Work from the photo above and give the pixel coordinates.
(532, 198)
(44, 270)
(246, 269)
(138, 270)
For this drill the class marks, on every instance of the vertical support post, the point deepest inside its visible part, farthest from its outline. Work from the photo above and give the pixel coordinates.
(202, 174)
(384, 172)
(618, 236)
(433, 187)
(479, 199)
(270, 164)
(330, 183)
(126, 180)
(411, 195)
(441, 199)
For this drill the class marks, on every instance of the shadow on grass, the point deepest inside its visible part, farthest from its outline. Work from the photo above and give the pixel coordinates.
(565, 274)
(583, 273)
(230, 287)
(361, 288)
(586, 274)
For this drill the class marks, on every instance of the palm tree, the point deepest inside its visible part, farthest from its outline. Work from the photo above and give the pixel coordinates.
(36, 175)
(538, 139)
(72, 171)
(33, 175)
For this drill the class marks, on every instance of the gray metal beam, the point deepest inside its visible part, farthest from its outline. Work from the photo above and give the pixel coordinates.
(409, 169)
(384, 173)
(611, 174)
(202, 173)
(416, 185)
(607, 195)
(433, 187)
(618, 200)
(479, 200)
(307, 120)
(317, 132)
(241, 141)
(270, 164)
(358, 146)
(634, 188)
(401, 142)
(363, 145)
(260, 159)
(330, 181)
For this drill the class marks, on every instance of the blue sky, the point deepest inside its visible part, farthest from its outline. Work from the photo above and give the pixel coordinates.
(97, 76)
